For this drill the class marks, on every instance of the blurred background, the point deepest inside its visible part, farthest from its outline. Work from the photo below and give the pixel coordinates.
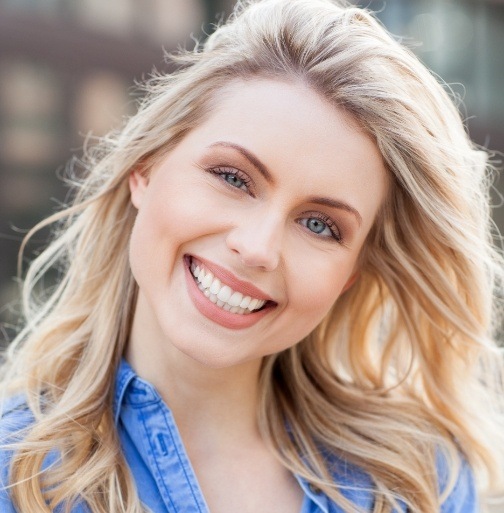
(68, 68)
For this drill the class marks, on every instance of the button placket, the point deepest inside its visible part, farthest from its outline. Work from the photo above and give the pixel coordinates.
(163, 451)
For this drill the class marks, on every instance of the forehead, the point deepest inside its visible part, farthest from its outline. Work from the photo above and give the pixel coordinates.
(295, 107)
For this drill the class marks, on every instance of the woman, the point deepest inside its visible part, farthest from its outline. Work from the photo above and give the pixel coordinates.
(277, 292)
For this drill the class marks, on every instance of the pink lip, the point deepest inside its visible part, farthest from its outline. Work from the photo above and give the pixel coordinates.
(225, 276)
(214, 312)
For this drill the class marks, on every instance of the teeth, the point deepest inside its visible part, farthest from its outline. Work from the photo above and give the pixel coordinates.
(253, 304)
(215, 287)
(245, 302)
(223, 295)
(208, 280)
(235, 299)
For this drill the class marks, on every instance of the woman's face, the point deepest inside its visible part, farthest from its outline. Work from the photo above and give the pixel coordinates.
(269, 201)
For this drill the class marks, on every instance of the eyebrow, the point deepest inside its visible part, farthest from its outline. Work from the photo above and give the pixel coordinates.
(340, 205)
(249, 156)
(320, 200)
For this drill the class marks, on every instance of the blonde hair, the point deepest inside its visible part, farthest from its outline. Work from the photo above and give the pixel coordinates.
(404, 368)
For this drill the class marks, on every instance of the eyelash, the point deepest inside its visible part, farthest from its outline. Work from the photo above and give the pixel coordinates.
(221, 171)
(336, 234)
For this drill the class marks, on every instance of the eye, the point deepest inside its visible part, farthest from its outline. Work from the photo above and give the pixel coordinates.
(233, 177)
(234, 180)
(321, 225)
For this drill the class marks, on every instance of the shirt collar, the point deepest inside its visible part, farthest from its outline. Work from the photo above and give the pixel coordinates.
(124, 376)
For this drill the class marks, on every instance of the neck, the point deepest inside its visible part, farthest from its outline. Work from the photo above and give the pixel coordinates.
(220, 402)
(205, 401)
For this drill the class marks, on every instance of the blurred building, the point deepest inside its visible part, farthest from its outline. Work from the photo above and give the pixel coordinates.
(68, 67)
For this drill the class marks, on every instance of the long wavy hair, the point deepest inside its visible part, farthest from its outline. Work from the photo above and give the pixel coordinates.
(405, 366)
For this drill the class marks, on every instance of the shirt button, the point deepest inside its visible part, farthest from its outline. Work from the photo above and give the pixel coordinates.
(313, 488)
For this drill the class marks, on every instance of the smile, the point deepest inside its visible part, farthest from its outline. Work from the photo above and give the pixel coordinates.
(223, 295)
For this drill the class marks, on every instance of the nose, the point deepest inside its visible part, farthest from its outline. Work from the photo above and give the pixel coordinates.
(257, 239)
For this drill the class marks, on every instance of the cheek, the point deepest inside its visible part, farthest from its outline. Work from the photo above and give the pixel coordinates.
(316, 298)
(316, 285)
(163, 210)
(312, 292)
(144, 254)
(152, 230)
(169, 216)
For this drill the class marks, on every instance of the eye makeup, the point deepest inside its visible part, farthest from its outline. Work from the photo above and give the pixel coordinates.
(228, 161)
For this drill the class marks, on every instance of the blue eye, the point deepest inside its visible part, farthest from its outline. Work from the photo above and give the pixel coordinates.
(234, 180)
(315, 225)
(321, 225)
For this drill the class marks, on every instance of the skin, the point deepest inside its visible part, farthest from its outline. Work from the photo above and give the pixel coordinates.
(191, 204)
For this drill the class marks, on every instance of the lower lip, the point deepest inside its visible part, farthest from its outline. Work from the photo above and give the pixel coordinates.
(214, 312)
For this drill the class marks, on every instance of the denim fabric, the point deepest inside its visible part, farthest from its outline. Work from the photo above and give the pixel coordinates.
(163, 474)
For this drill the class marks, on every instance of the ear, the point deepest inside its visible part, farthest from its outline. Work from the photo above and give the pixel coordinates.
(350, 281)
(138, 182)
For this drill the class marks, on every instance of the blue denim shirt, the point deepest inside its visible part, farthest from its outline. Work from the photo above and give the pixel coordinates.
(161, 469)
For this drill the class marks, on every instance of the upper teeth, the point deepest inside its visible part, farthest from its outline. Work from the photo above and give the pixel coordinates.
(223, 295)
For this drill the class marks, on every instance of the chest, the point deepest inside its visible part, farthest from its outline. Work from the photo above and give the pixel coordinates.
(248, 479)
(169, 481)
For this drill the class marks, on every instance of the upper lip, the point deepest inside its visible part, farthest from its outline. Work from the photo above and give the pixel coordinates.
(228, 278)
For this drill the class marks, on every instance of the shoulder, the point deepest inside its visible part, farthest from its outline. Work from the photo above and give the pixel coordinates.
(15, 418)
(14, 411)
(462, 498)
(357, 486)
